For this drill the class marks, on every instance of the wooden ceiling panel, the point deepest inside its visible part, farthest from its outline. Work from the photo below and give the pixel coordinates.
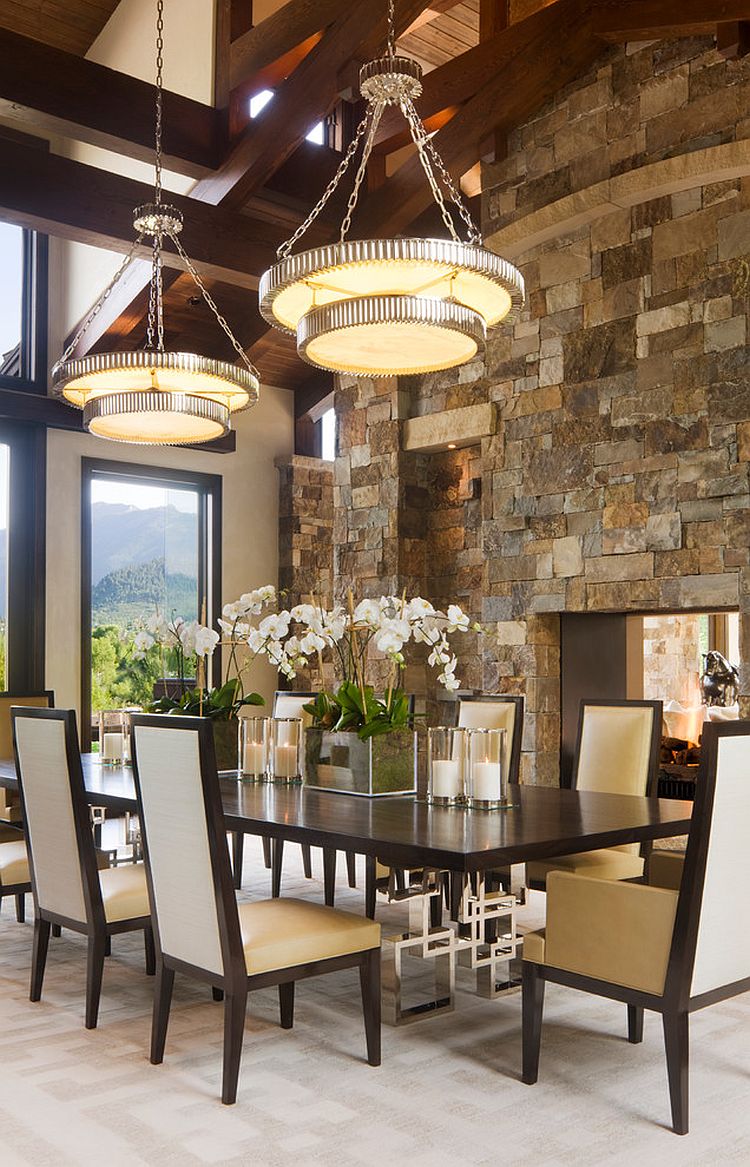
(446, 36)
(72, 25)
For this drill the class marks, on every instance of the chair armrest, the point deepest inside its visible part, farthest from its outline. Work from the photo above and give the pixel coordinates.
(612, 931)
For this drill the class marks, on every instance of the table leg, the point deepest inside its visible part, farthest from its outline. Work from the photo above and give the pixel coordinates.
(267, 851)
(307, 860)
(238, 852)
(329, 875)
(277, 859)
(370, 888)
(351, 868)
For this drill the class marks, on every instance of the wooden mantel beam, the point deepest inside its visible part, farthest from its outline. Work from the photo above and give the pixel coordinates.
(48, 91)
(87, 205)
(562, 50)
(617, 21)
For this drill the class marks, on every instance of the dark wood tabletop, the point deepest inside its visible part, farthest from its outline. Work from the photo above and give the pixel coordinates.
(544, 822)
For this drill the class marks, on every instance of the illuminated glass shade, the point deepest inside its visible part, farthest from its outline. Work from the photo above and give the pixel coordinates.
(449, 272)
(385, 336)
(155, 418)
(101, 374)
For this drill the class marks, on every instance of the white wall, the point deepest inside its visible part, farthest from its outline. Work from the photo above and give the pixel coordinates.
(250, 523)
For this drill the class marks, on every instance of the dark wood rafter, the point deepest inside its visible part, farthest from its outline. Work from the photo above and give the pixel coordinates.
(618, 21)
(733, 39)
(562, 49)
(59, 196)
(267, 53)
(53, 92)
(304, 99)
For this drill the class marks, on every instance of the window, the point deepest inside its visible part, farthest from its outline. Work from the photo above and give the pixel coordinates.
(328, 435)
(23, 309)
(259, 102)
(151, 543)
(22, 556)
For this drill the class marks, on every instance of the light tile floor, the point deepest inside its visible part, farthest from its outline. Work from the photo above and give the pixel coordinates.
(447, 1095)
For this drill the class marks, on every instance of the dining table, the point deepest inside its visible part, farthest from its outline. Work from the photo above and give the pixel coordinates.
(406, 832)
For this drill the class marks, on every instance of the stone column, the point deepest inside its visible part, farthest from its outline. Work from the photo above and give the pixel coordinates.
(305, 529)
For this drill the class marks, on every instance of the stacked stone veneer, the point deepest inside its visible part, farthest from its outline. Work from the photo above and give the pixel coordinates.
(617, 478)
(672, 662)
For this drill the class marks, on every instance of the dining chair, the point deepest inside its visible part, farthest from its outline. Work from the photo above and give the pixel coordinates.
(15, 879)
(651, 947)
(617, 752)
(68, 887)
(199, 927)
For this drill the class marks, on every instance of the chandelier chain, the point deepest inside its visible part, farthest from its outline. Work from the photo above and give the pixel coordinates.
(159, 100)
(283, 251)
(391, 28)
(376, 113)
(221, 321)
(429, 156)
(155, 324)
(92, 315)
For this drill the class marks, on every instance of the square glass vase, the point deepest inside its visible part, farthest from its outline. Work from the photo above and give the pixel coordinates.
(342, 762)
(227, 744)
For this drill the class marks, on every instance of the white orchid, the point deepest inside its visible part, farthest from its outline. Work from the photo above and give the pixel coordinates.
(311, 642)
(418, 608)
(205, 640)
(275, 626)
(368, 612)
(458, 621)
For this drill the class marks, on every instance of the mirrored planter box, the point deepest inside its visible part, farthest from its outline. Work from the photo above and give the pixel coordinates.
(386, 764)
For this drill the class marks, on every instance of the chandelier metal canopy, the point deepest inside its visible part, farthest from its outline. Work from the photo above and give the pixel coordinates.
(154, 396)
(387, 307)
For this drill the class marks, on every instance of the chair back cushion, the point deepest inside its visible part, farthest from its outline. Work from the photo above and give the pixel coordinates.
(291, 705)
(49, 814)
(9, 800)
(178, 850)
(498, 713)
(722, 954)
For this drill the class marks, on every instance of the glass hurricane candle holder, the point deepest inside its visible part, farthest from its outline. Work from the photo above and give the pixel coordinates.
(486, 781)
(255, 748)
(286, 738)
(114, 729)
(446, 750)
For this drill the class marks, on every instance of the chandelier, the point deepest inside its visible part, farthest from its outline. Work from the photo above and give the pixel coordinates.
(154, 396)
(388, 307)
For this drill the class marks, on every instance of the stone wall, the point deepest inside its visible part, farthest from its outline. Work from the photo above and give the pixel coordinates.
(672, 663)
(617, 478)
(305, 529)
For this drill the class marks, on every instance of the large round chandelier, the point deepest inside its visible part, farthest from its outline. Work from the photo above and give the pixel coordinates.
(154, 396)
(388, 307)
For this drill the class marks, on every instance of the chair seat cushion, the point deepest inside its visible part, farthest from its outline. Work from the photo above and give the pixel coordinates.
(282, 933)
(665, 869)
(606, 863)
(124, 892)
(14, 864)
(533, 947)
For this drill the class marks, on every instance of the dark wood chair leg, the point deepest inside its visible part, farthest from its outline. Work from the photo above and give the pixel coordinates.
(351, 868)
(635, 1024)
(216, 993)
(286, 1004)
(21, 907)
(108, 946)
(370, 887)
(436, 910)
(307, 860)
(56, 930)
(676, 1046)
(277, 862)
(94, 971)
(266, 851)
(39, 947)
(238, 854)
(532, 1009)
(329, 875)
(234, 1031)
(369, 979)
(148, 944)
(160, 1018)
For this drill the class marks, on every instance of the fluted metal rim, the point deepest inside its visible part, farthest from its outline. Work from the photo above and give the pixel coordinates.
(390, 78)
(154, 401)
(238, 380)
(316, 260)
(366, 311)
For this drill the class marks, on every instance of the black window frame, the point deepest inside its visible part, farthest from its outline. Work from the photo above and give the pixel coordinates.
(32, 375)
(209, 487)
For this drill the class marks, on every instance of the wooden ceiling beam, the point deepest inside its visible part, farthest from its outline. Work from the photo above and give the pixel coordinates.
(82, 203)
(304, 99)
(46, 90)
(255, 60)
(450, 85)
(563, 48)
(618, 21)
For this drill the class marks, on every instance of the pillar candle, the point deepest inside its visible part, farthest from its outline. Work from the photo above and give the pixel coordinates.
(446, 779)
(112, 747)
(485, 781)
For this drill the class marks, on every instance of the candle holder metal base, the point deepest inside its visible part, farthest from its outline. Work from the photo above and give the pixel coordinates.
(437, 800)
(489, 804)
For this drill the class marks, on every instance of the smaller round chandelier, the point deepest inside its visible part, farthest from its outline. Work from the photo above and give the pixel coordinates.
(389, 307)
(154, 396)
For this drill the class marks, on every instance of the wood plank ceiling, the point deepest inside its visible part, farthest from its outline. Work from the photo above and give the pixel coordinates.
(489, 65)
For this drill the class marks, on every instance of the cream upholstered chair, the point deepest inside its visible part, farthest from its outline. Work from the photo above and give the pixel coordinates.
(497, 711)
(69, 889)
(617, 753)
(15, 879)
(652, 947)
(200, 929)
